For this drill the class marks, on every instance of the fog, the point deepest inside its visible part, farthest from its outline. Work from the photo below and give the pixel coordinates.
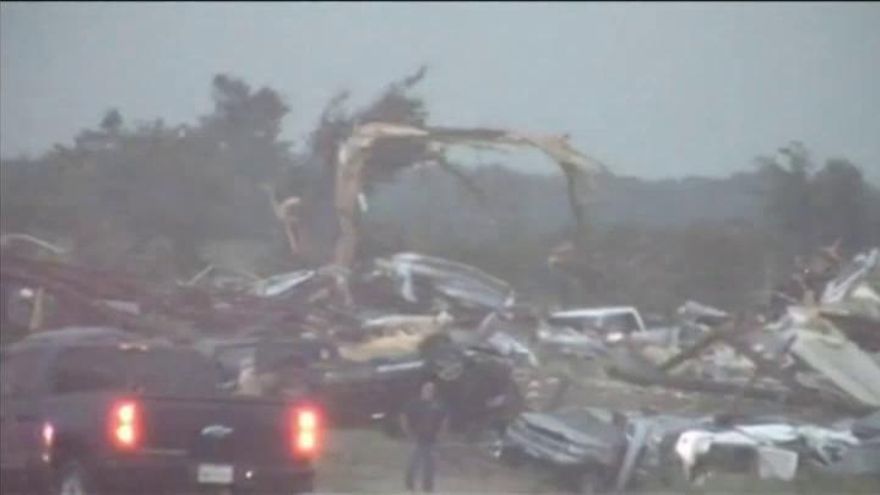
(658, 90)
(668, 213)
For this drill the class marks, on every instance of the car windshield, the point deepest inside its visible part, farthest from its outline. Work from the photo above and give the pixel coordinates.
(584, 416)
(605, 323)
(623, 322)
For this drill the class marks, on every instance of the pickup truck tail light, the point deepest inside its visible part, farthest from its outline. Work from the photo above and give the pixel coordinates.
(48, 434)
(305, 426)
(125, 424)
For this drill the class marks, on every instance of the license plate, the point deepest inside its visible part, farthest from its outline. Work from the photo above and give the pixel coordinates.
(215, 474)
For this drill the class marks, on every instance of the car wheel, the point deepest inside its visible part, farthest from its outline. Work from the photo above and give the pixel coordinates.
(73, 480)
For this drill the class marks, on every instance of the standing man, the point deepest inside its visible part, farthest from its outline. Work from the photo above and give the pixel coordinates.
(423, 419)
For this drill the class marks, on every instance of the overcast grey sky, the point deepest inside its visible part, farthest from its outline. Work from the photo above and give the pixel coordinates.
(654, 90)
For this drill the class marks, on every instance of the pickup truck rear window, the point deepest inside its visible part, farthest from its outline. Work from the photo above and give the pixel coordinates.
(165, 371)
(20, 373)
(620, 323)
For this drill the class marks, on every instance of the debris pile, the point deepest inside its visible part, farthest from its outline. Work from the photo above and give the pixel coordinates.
(381, 330)
(362, 335)
(599, 450)
(819, 351)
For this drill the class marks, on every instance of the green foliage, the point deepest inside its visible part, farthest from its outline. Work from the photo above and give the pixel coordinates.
(119, 188)
(811, 208)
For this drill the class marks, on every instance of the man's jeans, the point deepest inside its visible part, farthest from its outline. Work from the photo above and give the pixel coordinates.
(421, 459)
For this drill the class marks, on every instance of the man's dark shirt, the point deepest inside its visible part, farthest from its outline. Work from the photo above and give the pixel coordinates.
(424, 419)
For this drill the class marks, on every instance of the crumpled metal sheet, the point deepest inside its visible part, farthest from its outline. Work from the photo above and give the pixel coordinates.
(509, 346)
(778, 445)
(635, 444)
(834, 356)
(701, 313)
(854, 295)
(462, 283)
(277, 285)
(568, 341)
(861, 266)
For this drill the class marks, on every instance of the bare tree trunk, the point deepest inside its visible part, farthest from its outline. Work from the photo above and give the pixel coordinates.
(579, 211)
(349, 183)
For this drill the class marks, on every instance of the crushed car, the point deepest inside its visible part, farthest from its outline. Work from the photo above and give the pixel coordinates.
(776, 449)
(593, 450)
(428, 281)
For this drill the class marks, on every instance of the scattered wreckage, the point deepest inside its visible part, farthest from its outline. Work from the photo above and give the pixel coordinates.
(427, 281)
(287, 332)
(805, 356)
(362, 340)
(362, 337)
(817, 354)
(775, 450)
(592, 450)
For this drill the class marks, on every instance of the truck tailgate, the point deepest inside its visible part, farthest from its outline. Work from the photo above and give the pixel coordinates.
(224, 429)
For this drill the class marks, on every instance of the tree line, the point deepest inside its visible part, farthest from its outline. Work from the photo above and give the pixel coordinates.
(152, 199)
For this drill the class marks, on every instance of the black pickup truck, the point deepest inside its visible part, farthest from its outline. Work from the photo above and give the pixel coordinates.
(93, 411)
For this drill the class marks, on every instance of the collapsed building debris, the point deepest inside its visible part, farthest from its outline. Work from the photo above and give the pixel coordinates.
(409, 317)
(371, 361)
(696, 319)
(852, 301)
(394, 336)
(90, 296)
(774, 447)
(801, 358)
(837, 359)
(600, 450)
(217, 277)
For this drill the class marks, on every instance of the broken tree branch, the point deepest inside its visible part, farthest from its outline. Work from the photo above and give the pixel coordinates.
(353, 153)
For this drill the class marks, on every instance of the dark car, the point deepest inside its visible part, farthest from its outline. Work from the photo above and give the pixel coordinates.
(476, 383)
(350, 393)
(96, 411)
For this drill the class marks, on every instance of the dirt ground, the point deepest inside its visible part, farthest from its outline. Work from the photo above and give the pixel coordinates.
(370, 462)
(364, 461)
